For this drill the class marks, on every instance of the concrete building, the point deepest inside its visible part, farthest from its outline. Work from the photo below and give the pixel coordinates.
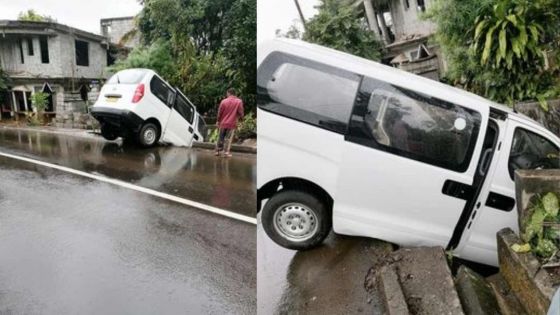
(121, 31)
(405, 35)
(64, 62)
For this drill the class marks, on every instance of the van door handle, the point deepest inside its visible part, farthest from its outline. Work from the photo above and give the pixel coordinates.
(485, 162)
(457, 190)
(191, 129)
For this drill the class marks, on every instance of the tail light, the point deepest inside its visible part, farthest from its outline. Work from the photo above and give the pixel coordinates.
(138, 93)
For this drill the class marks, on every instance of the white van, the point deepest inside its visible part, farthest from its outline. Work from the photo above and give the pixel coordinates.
(374, 151)
(138, 104)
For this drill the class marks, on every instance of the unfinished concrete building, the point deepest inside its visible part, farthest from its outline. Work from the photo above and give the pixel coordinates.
(121, 31)
(62, 61)
(397, 23)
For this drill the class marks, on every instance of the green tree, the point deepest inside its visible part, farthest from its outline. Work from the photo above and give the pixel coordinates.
(496, 48)
(210, 46)
(31, 15)
(338, 26)
(293, 32)
(511, 41)
(240, 47)
(39, 101)
(4, 80)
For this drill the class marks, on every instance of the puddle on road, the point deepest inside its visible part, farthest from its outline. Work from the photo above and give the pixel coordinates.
(188, 173)
(325, 280)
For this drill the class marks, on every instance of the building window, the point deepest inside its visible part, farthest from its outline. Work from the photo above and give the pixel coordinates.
(82, 53)
(421, 5)
(20, 43)
(406, 4)
(44, 46)
(30, 51)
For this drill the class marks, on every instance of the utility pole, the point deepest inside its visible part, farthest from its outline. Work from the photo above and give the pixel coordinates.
(300, 14)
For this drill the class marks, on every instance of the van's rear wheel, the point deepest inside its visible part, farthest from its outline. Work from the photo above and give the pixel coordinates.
(296, 220)
(108, 133)
(148, 135)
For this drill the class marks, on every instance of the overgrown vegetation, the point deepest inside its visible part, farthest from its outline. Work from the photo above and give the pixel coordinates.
(541, 229)
(39, 102)
(202, 47)
(32, 16)
(338, 26)
(500, 49)
(4, 80)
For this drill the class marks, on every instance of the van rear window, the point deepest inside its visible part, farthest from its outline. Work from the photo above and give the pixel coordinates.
(131, 76)
(307, 91)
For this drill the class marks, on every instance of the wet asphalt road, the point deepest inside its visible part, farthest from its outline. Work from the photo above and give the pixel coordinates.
(189, 173)
(326, 280)
(70, 245)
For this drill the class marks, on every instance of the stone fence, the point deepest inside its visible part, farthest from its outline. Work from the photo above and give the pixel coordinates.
(550, 119)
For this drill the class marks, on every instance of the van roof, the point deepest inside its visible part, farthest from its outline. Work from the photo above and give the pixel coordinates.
(376, 70)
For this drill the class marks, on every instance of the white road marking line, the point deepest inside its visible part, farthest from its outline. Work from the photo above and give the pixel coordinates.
(194, 204)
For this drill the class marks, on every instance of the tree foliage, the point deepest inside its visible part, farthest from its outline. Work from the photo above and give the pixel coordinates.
(4, 80)
(39, 101)
(202, 47)
(32, 16)
(496, 48)
(338, 26)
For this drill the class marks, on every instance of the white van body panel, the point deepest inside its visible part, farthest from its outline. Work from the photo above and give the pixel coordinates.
(383, 195)
(175, 129)
(149, 107)
(479, 242)
(314, 157)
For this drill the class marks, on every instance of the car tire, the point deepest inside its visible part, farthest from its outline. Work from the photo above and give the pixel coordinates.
(296, 220)
(108, 133)
(148, 135)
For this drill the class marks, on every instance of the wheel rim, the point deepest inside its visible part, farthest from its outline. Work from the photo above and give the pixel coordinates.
(150, 160)
(295, 222)
(149, 135)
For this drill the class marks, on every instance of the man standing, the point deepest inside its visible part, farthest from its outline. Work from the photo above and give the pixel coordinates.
(229, 112)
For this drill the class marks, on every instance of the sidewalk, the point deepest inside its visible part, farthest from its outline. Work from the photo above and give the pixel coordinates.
(250, 147)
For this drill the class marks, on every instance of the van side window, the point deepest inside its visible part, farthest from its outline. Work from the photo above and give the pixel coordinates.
(531, 151)
(161, 90)
(413, 125)
(184, 108)
(307, 91)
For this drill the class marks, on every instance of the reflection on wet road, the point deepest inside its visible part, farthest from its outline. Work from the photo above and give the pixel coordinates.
(325, 280)
(189, 173)
(71, 245)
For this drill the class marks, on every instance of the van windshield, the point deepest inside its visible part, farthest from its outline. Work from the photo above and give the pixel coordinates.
(130, 76)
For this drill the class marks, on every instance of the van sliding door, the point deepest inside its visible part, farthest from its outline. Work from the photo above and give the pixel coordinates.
(408, 165)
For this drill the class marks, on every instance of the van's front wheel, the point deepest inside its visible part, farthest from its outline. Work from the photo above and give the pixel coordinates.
(296, 220)
(148, 135)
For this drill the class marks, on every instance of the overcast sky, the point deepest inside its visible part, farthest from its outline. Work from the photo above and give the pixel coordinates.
(82, 14)
(85, 14)
(279, 14)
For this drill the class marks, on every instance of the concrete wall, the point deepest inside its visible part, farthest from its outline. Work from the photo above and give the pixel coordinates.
(62, 58)
(407, 21)
(116, 28)
(550, 119)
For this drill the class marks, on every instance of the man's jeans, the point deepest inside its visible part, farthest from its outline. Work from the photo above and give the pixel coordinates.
(224, 140)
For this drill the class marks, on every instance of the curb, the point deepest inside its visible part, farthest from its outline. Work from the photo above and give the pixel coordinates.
(234, 147)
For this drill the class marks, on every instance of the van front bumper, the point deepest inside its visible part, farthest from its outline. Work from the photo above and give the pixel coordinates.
(122, 121)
